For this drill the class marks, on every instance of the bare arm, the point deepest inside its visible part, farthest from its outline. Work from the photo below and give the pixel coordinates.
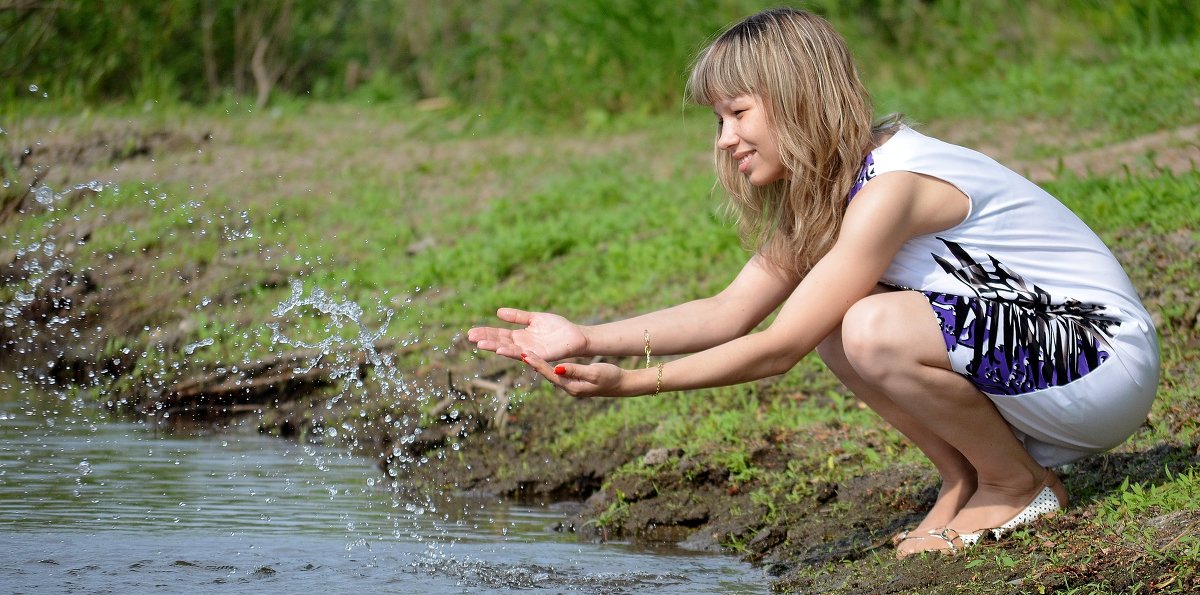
(698, 324)
(884, 215)
(686, 328)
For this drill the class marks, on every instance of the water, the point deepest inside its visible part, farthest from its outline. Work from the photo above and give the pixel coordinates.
(89, 504)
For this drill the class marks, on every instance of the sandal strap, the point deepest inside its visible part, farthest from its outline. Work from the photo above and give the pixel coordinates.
(949, 535)
(940, 534)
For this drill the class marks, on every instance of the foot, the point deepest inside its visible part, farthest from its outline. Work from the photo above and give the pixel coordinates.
(940, 540)
(994, 507)
(990, 510)
(951, 499)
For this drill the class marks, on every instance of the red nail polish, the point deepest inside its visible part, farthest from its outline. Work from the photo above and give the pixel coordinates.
(523, 358)
(560, 370)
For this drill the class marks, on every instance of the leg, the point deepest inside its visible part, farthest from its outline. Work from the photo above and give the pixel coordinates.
(958, 476)
(892, 343)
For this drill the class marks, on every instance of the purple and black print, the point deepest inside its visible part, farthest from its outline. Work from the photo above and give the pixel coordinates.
(865, 173)
(1019, 341)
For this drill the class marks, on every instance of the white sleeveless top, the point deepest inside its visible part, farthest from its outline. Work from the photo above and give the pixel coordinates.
(1017, 244)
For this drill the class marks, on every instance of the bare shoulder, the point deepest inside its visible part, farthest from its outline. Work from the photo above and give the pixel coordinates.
(922, 203)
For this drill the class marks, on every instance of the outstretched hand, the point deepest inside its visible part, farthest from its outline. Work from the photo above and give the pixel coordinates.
(579, 380)
(546, 338)
(550, 336)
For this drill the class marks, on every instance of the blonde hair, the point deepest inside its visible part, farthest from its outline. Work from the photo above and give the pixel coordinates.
(802, 71)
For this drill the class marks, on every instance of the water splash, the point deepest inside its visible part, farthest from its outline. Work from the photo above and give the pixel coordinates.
(348, 337)
(342, 313)
(40, 317)
(339, 330)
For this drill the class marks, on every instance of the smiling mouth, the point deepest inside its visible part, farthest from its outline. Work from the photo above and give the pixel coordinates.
(744, 161)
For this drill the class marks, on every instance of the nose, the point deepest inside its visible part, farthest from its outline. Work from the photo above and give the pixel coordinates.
(726, 138)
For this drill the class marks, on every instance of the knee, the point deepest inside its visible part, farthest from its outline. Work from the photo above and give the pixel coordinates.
(872, 343)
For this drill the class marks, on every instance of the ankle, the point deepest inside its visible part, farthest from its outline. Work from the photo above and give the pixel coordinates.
(958, 477)
(1060, 489)
(1018, 483)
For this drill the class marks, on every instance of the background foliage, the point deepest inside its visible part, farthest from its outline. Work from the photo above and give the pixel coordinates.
(546, 56)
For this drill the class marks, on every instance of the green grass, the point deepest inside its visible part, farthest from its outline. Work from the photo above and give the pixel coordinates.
(1062, 105)
(592, 235)
(596, 219)
(1115, 204)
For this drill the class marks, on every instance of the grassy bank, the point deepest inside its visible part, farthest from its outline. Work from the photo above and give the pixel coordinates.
(205, 219)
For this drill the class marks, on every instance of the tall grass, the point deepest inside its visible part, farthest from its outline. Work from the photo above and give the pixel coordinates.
(548, 59)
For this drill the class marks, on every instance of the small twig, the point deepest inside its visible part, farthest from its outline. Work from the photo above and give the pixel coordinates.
(500, 389)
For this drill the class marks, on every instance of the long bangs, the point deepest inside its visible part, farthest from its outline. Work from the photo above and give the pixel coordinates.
(720, 72)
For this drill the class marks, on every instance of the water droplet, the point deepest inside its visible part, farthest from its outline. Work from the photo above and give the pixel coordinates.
(190, 349)
(44, 195)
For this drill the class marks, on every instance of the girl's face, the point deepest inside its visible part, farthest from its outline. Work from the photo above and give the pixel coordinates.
(744, 133)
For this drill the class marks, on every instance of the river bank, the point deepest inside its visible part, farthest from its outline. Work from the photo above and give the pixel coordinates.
(278, 267)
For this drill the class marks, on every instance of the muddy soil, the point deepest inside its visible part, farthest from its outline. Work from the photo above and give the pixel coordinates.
(673, 497)
(845, 529)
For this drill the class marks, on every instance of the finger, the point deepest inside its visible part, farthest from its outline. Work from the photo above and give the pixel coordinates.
(545, 369)
(499, 342)
(539, 365)
(567, 372)
(514, 315)
(485, 333)
(505, 349)
(510, 351)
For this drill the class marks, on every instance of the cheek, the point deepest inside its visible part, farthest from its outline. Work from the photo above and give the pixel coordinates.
(776, 170)
(774, 157)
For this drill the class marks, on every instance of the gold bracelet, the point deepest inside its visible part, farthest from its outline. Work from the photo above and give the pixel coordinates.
(646, 336)
(658, 385)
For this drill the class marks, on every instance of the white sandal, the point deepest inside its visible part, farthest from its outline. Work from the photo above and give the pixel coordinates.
(1044, 504)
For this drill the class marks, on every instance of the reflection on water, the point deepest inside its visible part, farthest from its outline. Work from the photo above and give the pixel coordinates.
(88, 504)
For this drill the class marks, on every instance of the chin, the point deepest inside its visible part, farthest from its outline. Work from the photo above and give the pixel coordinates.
(761, 182)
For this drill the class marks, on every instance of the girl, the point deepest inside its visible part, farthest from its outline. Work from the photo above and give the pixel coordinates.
(966, 306)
